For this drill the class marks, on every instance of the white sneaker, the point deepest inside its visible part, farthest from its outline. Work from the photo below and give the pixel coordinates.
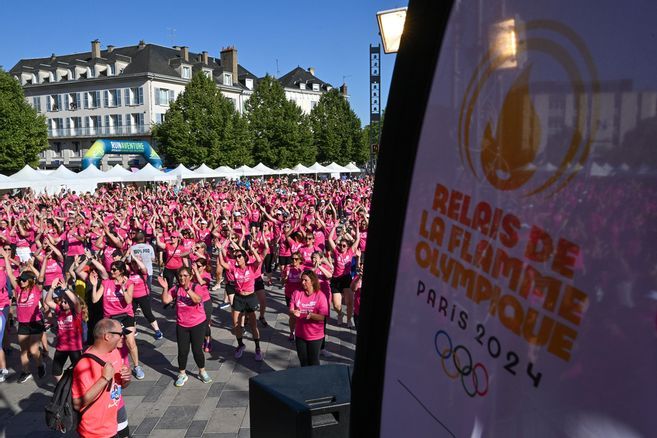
(4, 372)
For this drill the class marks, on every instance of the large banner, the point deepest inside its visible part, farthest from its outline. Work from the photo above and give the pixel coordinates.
(525, 296)
(126, 147)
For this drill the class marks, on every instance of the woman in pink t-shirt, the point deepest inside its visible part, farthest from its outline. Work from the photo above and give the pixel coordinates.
(117, 293)
(310, 307)
(343, 254)
(356, 285)
(190, 322)
(292, 283)
(69, 326)
(30, 321)
(202, 277)
(138, 276)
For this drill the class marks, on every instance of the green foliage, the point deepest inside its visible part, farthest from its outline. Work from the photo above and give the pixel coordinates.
(23, 132)
(281, 134)
(336, 130)
(202, 126)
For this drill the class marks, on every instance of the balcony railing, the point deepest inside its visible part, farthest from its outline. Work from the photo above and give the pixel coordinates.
(103, 130)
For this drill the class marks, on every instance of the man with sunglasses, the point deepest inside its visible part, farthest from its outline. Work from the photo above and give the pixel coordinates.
(96, 388)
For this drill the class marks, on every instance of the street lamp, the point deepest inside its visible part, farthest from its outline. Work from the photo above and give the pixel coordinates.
(391, 26)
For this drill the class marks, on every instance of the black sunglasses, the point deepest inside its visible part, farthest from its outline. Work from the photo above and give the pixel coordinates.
(116, 333)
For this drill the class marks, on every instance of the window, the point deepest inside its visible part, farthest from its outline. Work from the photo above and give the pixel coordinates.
(112, 98)
(111, 70)
(92, 99)
(315, 87)
(249, 84)
(302, 86)
(159, 118)
(228, 78)
(134, 96)
(186, 72)
(76, 146)
(207, 73)
(164, 96)
(73, 101)
(54, 102)
(36, 103)
(57, 146)
(313, 104)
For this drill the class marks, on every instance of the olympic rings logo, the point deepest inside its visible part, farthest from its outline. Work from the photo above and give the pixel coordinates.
(458, 355)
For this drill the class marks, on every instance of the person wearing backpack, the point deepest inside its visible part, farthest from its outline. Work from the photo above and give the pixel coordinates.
(96, 390)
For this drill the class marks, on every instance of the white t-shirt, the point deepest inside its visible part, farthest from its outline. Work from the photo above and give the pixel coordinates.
(147, 254)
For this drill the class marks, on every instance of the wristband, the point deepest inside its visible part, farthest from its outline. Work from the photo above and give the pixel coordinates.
(108, 380)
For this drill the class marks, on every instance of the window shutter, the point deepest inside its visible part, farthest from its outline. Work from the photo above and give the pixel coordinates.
(171, 97)
(97, 99)
(141, 95)
(106, 98)
(117, 93)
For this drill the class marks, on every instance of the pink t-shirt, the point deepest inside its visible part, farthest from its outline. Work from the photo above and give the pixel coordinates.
(75, 246)
(53, 271)
(342, 262)
(293, 280)
(172, 256)
(245, 277)
(27, 305)
(309, 330)
(69, 330)
(203, 289)
(188, 313)
(139, 285)
(114, 302)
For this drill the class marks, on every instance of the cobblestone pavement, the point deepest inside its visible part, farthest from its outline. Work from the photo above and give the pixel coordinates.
(158, 409)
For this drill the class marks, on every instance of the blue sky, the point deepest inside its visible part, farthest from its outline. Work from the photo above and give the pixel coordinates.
(333, 36)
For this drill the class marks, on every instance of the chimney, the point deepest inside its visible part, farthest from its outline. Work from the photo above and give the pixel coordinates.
(177, 47)
(95, 49)
(142, 44)
(110, 48)
(311, 70)
(205, 57)
(343, 89)
(229, 61)
(53, 58)
(184, 53)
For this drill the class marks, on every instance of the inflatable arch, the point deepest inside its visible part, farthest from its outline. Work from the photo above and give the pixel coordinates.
(102, 147)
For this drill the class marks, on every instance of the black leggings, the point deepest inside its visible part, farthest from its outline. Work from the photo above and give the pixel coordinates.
(267, 264)
(308, 351)
(59, 360)
(170, 275)
(194, 336)
(208, 316)
(145, 304)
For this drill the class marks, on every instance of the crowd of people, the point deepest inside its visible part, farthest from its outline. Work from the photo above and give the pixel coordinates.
(85, 265)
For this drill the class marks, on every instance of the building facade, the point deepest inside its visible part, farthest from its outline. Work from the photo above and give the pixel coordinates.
(122, 92)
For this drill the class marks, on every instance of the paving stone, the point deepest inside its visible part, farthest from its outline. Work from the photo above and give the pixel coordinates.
(196, 428)
(139, 387)
(177, 417)
(146, 426)
(154, 393)
(219, 435)
(190, 396)
(226, 420)
(215, 389)
(233, 399)
(244, 433)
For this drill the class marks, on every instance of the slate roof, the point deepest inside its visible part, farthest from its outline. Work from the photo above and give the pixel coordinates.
(299, 75)
(152, 58)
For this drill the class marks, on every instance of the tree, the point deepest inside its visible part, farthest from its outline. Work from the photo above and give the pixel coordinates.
(281, 134)
(202, 126)
(23, 132)
(336, 130)
(363, 155)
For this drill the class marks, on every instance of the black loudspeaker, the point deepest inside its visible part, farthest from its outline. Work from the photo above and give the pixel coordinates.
(307, 402)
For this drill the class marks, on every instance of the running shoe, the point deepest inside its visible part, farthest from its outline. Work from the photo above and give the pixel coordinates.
(41, 371)
(263, 322)
(325, 353)
(239, 351)
(205, 377)
(180, 381)
(3, 374)
(138, 372)
(224, 306)
(258, 355)
(24, 377)
(158, 335)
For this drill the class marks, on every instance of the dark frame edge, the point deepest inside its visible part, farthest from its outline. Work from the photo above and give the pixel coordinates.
(424, 30)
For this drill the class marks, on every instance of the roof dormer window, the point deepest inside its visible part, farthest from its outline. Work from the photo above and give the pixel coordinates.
(302, 85)
(315, 87)
(186, 72)
(228, 79)
(249, 83)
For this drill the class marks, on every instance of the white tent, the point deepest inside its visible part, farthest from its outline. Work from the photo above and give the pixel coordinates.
(352, 168)
(226, 172)
(598, 170)
(184, 172)
(92, 172)
(119, 171)
(300, 169)
(148, 173)
(336, 168)
(248, 171)
(284, 171)
(264, 169)
(317, 168)
(204, 171)
(29, 174)
(63, 172)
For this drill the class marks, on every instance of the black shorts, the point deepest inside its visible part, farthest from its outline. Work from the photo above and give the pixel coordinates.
(340, 283)
(245, 303)
(126, 320)
(287, 303)
(259, 284)
(284, 260)
(30, 328)
(230, 288)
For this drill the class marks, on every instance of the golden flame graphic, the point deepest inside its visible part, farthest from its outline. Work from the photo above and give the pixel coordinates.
(507, 158)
